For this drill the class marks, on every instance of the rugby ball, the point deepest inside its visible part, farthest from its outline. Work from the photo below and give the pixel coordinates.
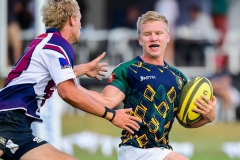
(190, 92)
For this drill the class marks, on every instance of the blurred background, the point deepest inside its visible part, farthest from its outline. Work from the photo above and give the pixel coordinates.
(205, 41)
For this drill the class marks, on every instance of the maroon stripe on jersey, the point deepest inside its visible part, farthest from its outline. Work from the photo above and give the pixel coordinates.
(49, 89)
(55, 48)
(24, 61)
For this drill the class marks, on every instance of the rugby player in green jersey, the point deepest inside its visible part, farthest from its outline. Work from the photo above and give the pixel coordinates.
(151, 87)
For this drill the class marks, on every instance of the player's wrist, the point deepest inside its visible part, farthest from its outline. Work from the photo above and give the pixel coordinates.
(109, 114)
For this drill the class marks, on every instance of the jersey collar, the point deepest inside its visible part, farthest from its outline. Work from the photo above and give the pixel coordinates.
(53, 30)
(140, 59)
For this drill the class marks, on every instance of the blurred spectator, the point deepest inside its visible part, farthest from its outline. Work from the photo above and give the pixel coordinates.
(201, 25)
(196, 35)
(184, 6)
(222, 86)
(14, 31)
(18, 18)
(116, 13)
(169, 8)
(219, 15)
(25, 16)
(233, 15)
(119, 11)
(131, 17)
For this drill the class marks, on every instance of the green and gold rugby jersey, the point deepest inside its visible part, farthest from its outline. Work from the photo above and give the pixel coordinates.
(153, 93)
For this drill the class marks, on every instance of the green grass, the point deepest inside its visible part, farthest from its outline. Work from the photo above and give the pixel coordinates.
(207, 140)
(92, 124)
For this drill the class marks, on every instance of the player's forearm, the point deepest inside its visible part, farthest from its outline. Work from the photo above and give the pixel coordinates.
(98, 97)
(80, 69)
(89, 105)
(78, 99)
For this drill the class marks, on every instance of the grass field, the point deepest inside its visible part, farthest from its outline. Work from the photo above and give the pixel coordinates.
(207, 140)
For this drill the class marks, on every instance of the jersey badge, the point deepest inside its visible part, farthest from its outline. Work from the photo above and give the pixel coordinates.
(179, 82)
(111, 78)
(63, 63)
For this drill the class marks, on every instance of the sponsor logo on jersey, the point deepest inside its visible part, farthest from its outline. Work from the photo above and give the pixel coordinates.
(111, 78)
(64, 64)
(147, 77)
(37, 139)
(2, 141)
(13, 147)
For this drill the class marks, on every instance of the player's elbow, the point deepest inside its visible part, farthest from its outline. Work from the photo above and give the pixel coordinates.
(65, 90)
(64, 94)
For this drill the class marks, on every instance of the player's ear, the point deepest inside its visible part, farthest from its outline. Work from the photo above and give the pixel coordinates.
(72, 21)
(140, 41)
(168, 36)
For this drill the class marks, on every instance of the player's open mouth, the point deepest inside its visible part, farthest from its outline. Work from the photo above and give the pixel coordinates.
(154, 46)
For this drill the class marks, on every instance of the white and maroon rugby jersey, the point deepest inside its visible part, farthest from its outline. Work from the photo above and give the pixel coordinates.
(47, 62)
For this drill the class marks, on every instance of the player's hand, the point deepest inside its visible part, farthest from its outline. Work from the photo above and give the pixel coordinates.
(96, 69)
(125, 121)
(206, 107)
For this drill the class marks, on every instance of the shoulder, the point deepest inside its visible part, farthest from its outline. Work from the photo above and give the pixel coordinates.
(177, 72)
(59, 44)
(125, 65)
(59, 41)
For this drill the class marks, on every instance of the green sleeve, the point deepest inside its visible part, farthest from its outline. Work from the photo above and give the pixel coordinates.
(119, 77)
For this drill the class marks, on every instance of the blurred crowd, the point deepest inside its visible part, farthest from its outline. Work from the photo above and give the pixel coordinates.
(20, 16)
(195, 26)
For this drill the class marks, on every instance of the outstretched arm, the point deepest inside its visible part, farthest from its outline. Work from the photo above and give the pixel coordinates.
(93, 69)
(79, 98)
(110, 96)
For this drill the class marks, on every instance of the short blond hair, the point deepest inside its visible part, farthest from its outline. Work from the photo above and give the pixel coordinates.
(56, 12)
(151, 16)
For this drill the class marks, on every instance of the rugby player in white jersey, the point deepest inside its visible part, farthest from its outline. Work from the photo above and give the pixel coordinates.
(47, 65)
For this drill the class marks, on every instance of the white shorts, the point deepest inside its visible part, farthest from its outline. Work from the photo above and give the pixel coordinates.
(133, 153)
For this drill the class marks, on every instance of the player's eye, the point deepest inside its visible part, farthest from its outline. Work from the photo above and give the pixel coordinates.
(146, 34)
(159, 33)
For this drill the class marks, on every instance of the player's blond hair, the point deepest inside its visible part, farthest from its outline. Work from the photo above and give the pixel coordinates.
(151, 16)
(56, 12)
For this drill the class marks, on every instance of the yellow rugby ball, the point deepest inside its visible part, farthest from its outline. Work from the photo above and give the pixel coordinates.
(190, 92)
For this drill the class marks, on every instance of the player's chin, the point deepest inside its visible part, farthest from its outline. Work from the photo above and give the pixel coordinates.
(154, 55)
(76, 41)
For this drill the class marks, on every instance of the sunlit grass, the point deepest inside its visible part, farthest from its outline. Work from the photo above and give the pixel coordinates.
(207, 140)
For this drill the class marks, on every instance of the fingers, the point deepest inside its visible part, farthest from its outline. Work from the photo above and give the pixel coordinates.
(203, 101)
(102, 65)
(127, 110)
(136, 119)
(99, 58)
(132, 126)
(201, 104)
(206, 107)
(214, 101)
(100, 74)
(133, 121)
(126, 121)
(98, 78)
(129, 130)
(206, 99)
